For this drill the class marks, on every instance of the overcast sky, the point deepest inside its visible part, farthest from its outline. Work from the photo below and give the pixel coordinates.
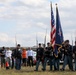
(27, 18)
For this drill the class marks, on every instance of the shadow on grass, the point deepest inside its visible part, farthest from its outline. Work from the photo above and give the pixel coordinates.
(32, 71)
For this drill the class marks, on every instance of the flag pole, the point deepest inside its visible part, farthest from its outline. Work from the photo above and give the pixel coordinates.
(51, 25)
(72, 40)
(36, 40)
(15, 40)
(45, 38)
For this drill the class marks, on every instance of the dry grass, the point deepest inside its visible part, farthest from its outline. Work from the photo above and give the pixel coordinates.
(30, 71)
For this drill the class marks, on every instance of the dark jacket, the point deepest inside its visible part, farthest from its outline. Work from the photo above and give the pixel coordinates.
(2, 52)
(17, 53)
(49, 52)
(68, 50)
(40, 52)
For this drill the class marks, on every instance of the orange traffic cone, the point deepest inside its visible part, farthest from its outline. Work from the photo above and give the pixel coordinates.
(7, 65)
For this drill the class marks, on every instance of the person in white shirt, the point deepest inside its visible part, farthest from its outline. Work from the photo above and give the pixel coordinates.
(8, 56)
(30, 57)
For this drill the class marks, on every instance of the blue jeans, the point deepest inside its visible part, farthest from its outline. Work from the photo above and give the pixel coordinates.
(50, 62)
(68, 60)
(56, 64)
(37, 64)
(18, 64)
(65, 62)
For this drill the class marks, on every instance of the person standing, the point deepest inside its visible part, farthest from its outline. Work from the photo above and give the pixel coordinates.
(74, 52)
(8, 56)
(13, 59)
(18, 57)
(24, 58)
(67, 56)
(2, 54)
(48, 55)
(61, 49)
(39, 56)
(30, 57)
(57, 57)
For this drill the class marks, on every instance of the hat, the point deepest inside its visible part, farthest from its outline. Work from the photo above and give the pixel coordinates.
(3, 47)
(18, 45)
(39, 44)
(66, 41)
(48, 43)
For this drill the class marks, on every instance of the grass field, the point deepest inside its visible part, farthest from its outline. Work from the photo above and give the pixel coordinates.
(30, 71)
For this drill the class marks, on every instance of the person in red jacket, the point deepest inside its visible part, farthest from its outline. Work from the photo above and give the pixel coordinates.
(24, 57)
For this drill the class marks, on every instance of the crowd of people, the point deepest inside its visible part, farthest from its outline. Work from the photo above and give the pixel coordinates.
(21, 57)
(16, 58)
(64, 52)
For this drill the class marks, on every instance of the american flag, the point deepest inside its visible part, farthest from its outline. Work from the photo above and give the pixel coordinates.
(53, 28)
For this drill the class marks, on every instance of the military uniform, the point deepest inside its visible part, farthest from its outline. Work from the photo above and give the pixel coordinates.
(39, 57)
(68, 57)
(57, 57)
(48, 56)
